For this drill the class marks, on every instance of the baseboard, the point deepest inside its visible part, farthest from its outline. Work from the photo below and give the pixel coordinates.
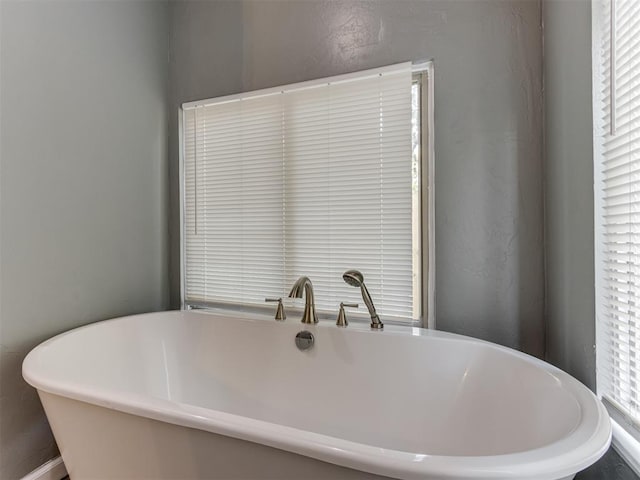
(626, 446)
(54, 469)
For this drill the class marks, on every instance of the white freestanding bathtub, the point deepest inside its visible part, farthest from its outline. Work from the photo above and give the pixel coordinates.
(182, 395)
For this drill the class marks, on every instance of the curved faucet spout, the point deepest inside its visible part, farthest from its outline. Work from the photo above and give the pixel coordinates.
(303, 284)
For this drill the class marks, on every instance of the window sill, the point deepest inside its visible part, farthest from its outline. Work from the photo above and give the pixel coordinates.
(626, 446)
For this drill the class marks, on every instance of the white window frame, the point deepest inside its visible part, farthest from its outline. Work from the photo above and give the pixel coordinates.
(423, 75)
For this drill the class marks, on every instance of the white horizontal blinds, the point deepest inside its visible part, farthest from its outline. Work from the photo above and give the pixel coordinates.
(193, 247)
(303, 180)
(348, 190)
(233, 207)
(618, 218)
(307, 186)
(397, 277)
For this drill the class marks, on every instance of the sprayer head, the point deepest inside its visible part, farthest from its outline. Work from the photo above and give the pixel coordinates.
(353, 278)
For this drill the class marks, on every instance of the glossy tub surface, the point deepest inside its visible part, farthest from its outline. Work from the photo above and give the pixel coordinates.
(211, 395)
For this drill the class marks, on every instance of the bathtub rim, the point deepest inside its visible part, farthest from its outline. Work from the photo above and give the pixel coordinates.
(564, 457)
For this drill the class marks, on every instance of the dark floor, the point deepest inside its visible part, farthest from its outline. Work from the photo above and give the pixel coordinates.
(610, 467)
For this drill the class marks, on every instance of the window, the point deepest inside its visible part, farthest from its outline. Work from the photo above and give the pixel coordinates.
(307, 179)
(617, 198)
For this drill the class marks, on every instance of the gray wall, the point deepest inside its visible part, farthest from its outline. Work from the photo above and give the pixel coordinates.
(570, 305)
(82, 185)
(488, 64)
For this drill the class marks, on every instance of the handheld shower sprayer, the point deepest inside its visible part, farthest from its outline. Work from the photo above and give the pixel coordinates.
(356, 279)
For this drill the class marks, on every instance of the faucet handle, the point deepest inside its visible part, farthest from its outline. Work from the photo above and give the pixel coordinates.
(280, 314)
(342, 317)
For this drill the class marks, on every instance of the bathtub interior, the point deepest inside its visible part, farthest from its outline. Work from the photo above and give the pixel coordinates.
(428, 394)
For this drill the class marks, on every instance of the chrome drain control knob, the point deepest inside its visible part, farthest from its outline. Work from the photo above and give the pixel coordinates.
(304, 340)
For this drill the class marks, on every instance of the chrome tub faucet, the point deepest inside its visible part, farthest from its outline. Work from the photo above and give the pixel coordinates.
(304, 284)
